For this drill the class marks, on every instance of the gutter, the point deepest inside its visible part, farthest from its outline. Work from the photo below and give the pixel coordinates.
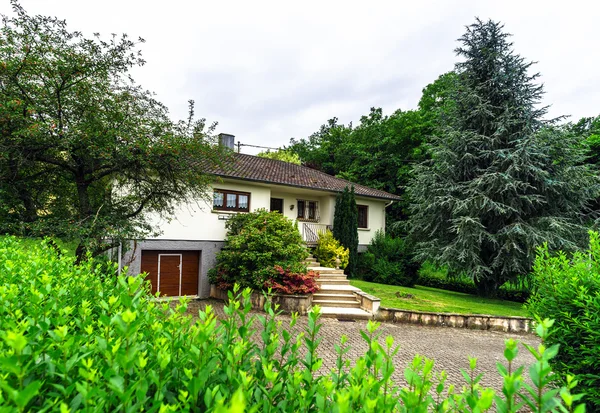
(271, 183)
(387, 205)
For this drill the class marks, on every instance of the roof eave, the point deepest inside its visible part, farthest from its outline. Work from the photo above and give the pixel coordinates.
(392, 197)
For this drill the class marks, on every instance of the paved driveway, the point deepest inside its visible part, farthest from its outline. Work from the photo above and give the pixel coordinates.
(449, 347)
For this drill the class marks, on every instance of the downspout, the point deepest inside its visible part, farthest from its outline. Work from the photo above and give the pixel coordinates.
(384, 208)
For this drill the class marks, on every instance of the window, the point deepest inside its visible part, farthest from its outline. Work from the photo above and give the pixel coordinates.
(363, 215)
(308, 210)
(226, 200)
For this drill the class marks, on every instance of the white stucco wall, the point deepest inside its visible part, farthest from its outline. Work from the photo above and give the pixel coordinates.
(200, 222)
(197, 221)
(325, 200)
(375, 219)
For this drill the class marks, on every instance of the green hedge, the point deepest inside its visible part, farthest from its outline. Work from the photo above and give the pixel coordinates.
(436, 278)
(567, 288)
(389, 260)
(72, 340)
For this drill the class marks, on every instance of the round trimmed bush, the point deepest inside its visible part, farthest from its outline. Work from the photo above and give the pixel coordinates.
(257, 243)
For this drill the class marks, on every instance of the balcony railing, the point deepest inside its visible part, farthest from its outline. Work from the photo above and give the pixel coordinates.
(311, 231)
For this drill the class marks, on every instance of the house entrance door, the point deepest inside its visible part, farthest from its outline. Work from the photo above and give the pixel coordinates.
(277, 205)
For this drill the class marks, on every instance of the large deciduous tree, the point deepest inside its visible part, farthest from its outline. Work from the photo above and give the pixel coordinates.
(284, 155)
(345, 226)
(501, 180)
(85, 153)
(379, 152)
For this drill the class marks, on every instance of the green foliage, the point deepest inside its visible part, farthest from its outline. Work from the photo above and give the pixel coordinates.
(389, 260)
(501, 180)
(284, 155)
(431, 276)
(256, 243)
(288, 282)
(568, 290)
(589, 129)
(69, 342)
(437, 98)
(345, 226)
(378, 153)
(85, 153)
(329, 249)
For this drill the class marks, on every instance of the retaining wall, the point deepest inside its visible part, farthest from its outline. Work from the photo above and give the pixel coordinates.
(475, 322)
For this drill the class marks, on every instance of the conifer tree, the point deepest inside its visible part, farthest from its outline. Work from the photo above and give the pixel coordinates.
(501, 180)
(345, 226)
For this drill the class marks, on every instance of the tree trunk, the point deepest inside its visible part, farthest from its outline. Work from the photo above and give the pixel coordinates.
(80, 253)
(487, 287)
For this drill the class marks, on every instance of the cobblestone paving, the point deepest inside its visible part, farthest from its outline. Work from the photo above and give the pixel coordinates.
(449, 347)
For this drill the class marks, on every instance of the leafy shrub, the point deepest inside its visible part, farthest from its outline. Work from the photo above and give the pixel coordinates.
(568, 290)
(328, 249)
(256, 243)
(430, 276)
(288, 282)
(389, 261)
(71, 342)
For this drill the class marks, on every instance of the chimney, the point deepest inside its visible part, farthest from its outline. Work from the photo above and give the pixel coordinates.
(226, 140)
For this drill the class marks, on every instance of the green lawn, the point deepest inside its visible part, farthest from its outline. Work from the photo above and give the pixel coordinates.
(436, 300)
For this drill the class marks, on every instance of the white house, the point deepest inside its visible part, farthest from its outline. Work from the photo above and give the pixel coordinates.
(178, 261)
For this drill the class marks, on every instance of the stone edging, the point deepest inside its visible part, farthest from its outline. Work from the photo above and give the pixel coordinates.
(368, 302)
(287, 303)
(471, 321)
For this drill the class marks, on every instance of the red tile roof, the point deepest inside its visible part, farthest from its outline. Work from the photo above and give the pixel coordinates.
(257, 169)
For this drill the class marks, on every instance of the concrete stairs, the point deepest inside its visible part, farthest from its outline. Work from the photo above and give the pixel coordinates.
(335, 296)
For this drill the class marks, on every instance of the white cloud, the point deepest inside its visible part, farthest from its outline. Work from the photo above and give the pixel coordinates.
(271, 70)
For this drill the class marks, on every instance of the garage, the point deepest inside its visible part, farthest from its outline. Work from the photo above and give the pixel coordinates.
(172, 273)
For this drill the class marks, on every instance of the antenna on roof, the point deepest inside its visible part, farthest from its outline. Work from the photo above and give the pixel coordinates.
(255, 146)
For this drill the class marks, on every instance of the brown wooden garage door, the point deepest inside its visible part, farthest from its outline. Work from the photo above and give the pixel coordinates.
(173, 273)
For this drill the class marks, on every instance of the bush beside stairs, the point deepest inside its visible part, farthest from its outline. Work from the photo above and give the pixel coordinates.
(336, 295)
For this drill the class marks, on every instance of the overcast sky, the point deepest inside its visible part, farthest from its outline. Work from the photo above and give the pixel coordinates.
(269, 71)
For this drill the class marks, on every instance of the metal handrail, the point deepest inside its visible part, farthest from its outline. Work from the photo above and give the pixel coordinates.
(311, 231)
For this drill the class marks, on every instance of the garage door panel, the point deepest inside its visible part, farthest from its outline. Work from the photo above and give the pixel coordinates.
(150, 266)
(189, 273)
(170, 277)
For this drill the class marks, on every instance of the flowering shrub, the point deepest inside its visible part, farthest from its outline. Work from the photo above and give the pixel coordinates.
(288, 282)
(256, 243)
(328, 249)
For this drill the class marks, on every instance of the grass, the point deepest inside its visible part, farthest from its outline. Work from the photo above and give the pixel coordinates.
(436, 300)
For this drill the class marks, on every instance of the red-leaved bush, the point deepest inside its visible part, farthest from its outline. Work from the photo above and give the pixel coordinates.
(288, 282)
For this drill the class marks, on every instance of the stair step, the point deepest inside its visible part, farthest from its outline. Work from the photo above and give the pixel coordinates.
(345, 313)
(325, 270)
(341, 296)
(335, 303)
(337, 289)
(342, 281)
